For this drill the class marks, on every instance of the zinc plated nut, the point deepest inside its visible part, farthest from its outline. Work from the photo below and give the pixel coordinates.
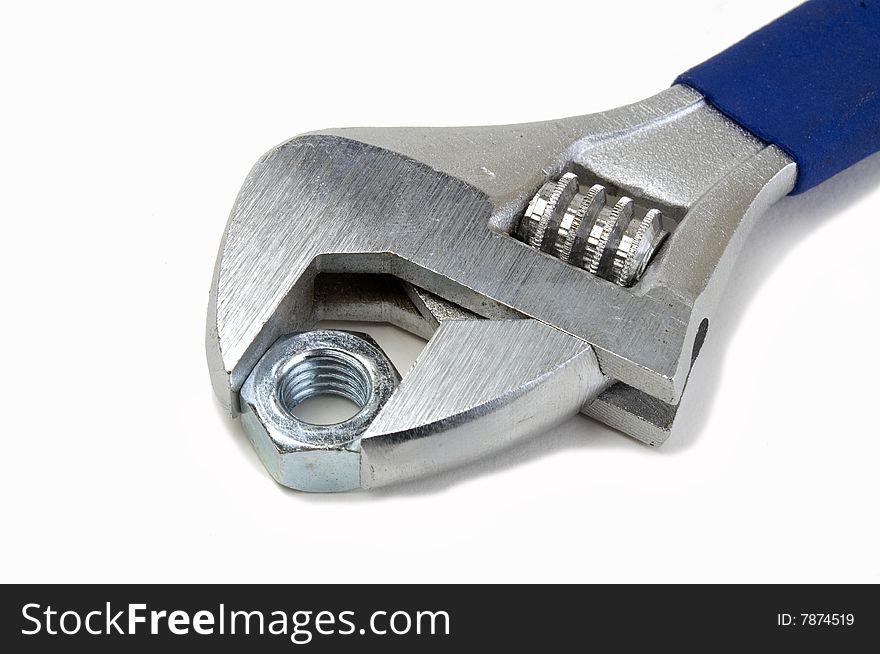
(298, 366)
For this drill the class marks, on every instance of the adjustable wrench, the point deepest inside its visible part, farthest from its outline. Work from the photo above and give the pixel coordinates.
(558, 267)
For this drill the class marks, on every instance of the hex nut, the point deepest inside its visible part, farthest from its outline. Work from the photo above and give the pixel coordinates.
(297, 366)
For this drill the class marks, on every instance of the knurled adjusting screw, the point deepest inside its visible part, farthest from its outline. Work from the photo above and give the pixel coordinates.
(583, 229)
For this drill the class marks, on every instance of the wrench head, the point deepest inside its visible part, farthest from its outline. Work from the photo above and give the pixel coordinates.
(437, 208)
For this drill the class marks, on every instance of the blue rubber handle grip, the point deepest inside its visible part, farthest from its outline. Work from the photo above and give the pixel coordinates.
(808, 82)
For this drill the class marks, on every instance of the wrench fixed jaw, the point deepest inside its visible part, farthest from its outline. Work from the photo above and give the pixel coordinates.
(438, 208)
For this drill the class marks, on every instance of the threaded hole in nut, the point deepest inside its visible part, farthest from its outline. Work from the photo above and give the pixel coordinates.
(325, 387)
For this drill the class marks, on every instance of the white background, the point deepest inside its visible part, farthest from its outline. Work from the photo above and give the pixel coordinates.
(126, 133)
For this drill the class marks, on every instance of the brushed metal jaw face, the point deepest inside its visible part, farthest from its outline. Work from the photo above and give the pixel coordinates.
(523, 339)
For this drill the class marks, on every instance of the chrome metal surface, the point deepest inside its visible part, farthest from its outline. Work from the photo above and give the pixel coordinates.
(367, 298)
(359, 201)
(435, 309)
(471, 393)
(637, 245)
(582, 229)
(622, 407)
(439, 208)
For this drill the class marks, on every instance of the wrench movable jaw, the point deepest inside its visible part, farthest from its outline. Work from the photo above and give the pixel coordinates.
(478, 387)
